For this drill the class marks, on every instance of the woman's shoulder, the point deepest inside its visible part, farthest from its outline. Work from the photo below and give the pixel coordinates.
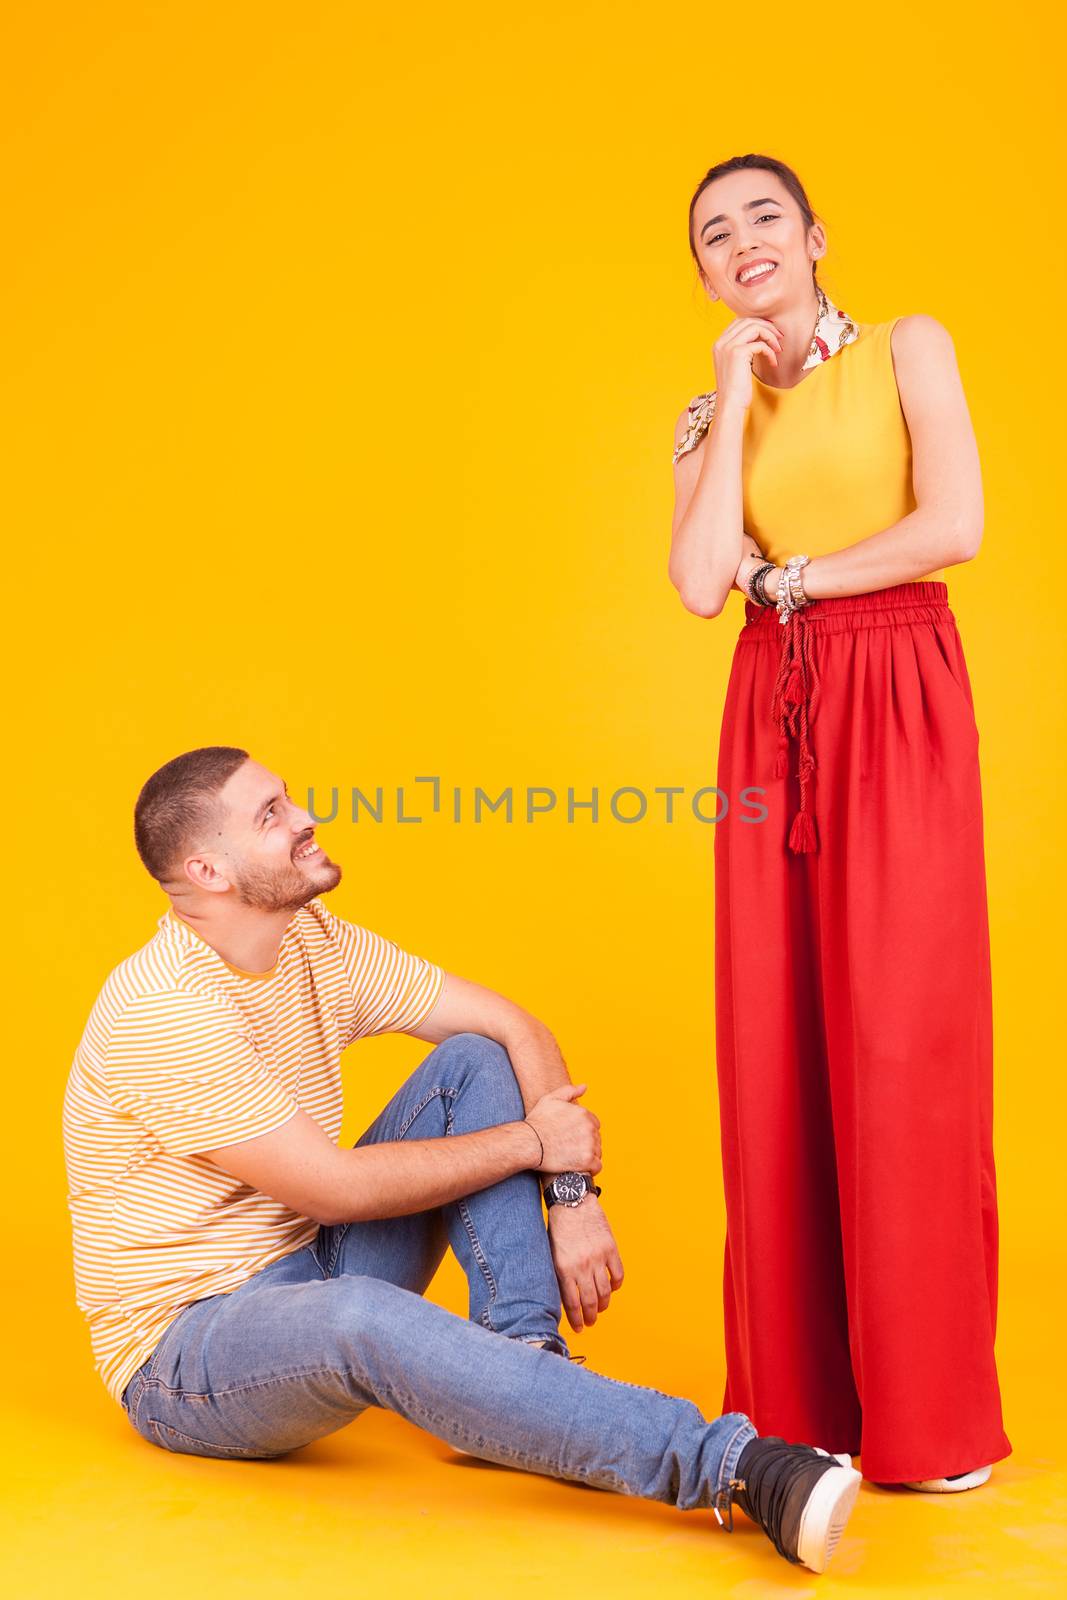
(910, 339)
(914, 328)
(918, 343)
(911, 324)
(918, 326)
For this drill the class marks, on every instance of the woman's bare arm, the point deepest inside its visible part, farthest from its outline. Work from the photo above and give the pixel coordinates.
(707, 534)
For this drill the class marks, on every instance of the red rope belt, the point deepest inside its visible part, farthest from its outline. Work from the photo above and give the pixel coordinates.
(796, 694)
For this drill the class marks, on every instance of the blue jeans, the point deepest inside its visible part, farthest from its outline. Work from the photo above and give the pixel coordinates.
(309, 1342)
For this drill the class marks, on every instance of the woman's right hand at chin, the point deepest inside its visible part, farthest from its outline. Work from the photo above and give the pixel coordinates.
(734, 350)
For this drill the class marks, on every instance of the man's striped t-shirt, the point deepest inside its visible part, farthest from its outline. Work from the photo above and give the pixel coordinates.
(181, 1053)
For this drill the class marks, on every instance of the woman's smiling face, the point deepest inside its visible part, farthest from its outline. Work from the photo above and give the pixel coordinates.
(749, 219)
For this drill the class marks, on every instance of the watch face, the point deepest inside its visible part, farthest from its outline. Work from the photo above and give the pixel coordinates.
(570, 1186)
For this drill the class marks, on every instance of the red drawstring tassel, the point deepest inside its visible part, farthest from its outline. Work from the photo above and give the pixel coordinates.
(802, 838)
(792, 704)
(793, 692)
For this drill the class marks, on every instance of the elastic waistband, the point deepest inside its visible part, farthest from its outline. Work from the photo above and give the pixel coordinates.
(921, 601)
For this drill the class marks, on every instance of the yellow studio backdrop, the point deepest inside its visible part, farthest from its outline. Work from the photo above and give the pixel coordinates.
(342, 355)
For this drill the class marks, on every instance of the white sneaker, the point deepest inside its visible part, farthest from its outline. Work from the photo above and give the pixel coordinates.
(962, 1480)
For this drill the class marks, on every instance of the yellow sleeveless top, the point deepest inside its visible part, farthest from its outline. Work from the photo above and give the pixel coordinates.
(828, 462)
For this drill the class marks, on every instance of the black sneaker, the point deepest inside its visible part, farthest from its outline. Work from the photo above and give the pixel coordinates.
(800, 1496)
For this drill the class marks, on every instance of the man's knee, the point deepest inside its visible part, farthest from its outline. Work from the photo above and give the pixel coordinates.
(486, 1064)
(368, 1321)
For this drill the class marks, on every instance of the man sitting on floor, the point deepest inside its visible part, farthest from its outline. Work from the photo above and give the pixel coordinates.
(251, 1286)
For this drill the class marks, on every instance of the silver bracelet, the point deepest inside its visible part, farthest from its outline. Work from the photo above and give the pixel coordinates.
(793, 586)
(794, 567)
(785, 605)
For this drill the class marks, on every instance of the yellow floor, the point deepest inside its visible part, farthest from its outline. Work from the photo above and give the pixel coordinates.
(380, 1508)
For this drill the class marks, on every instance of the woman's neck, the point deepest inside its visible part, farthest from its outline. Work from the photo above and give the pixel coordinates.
(796, 324)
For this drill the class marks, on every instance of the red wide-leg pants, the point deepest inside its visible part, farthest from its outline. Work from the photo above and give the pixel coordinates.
(854, 1037)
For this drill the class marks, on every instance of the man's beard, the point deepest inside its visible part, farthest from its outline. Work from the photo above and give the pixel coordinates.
(284, 888)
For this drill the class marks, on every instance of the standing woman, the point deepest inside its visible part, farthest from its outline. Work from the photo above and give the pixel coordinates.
(832, 476)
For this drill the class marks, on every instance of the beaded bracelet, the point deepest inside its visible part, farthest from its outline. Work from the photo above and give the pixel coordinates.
(767, 599)
(756, 592)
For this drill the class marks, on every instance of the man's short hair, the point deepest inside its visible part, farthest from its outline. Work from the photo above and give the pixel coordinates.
(178, 803)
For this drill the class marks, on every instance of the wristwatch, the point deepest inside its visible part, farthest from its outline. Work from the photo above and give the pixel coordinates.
(569, 1189)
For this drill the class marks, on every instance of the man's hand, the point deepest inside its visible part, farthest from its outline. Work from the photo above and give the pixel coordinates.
(586, 1260)
(569, 1134)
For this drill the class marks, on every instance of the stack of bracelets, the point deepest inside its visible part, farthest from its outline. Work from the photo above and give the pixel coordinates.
(791, 596)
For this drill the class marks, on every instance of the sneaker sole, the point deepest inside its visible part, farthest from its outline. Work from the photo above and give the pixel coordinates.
(823, 1520)
(970, 1480)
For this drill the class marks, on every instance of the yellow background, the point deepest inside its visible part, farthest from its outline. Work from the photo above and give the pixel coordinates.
(341, 359)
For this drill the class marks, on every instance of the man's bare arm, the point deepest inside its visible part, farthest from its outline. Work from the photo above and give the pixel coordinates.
(300, 1166)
